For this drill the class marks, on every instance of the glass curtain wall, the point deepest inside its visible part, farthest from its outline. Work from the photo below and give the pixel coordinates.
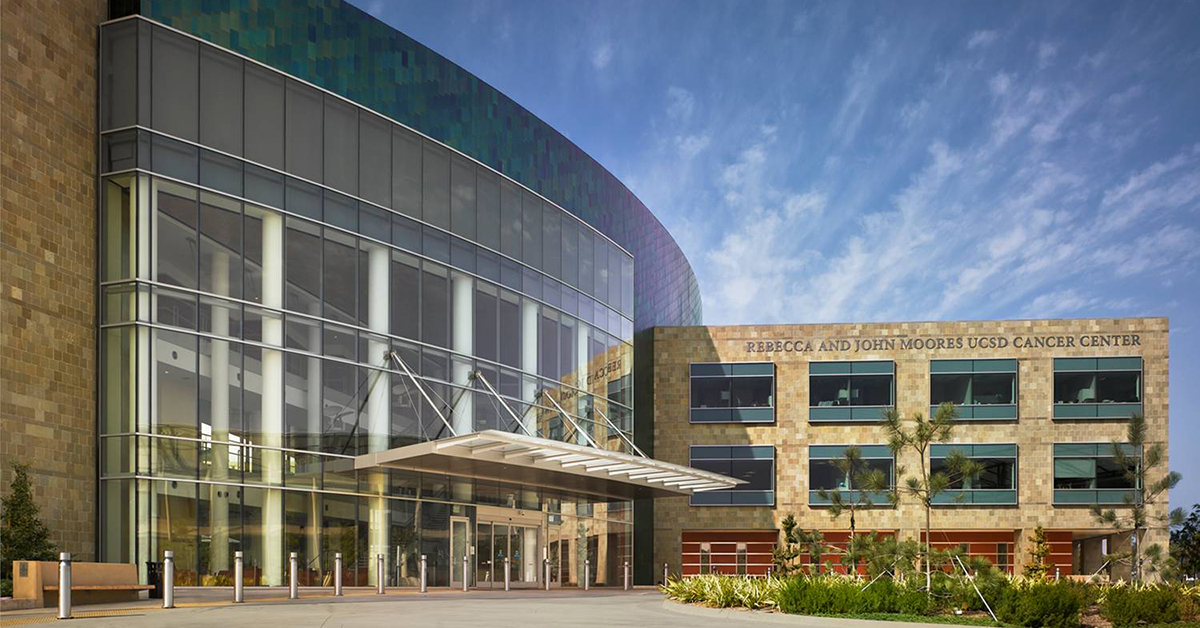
(252, 299)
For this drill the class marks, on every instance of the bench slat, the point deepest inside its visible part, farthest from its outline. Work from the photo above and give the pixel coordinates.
(103, 587)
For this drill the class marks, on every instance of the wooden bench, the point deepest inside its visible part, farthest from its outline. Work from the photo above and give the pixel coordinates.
(36, 582)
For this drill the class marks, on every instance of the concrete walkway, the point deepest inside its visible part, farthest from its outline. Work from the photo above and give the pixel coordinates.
(267, 608)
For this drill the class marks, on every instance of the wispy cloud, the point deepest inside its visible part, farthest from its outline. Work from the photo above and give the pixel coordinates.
(602, 55)
(680, 103)
(982, 39)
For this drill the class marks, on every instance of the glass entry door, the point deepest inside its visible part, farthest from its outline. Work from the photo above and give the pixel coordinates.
(518, 543)
(460, 544)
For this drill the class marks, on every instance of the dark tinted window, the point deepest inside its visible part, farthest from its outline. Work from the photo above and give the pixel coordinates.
(175, 85)
(304, 136)
(341, 145)
(221, 101)
(406, 172)
(374, 159)
(436, 185)
(264, 116)
(710, 392)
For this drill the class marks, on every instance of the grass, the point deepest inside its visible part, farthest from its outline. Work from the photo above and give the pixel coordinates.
(957, 620)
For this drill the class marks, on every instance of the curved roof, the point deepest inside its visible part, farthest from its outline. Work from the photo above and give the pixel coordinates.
(337, 46)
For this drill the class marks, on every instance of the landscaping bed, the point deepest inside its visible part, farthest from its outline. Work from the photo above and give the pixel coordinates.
(1015, 601)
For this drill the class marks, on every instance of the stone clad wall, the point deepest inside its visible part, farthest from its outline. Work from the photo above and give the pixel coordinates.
(1034, 433)
(48, 259)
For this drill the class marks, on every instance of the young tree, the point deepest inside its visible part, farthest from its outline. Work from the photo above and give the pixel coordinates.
(1038, 554)
(925, 486)
(859, 476)
(797, 541)
(1138, 467)
(23, 536)
(1185, 543)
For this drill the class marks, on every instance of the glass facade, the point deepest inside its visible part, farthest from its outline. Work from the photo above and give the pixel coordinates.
(996, 484)
(266, 248)
(1105, 388)
(979, 389)
(733, 393)
(850, 391)
(824, 474)
(754, 465)
(1089, 473)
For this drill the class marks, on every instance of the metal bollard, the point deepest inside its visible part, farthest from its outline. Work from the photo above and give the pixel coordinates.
(587, 574)
(506, 574)
(64, 585)
(626, 575)
(666, 573)
(546, 562)
(465, 574)
(1056, 574)
(423, 589)
(381, 579)
(293, 575)
(239, 580)
(168, 579)
(768, 571)
(337, 573)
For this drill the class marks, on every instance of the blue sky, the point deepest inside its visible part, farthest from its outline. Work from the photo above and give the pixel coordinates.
(884, 161)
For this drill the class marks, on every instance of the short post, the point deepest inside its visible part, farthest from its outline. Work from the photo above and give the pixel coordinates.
(768, 571)
(546, 562)
(587, 570)
(293, 575)
(506, 575)
(168, 579)
(1056, 574)
(666, 573)
(337, 573)
(423, 573)
(465, 572)
(381, 579)
(239, 580)
(64, 585)
(626, 575)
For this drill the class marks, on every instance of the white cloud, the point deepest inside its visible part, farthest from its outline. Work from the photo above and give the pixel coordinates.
(982, 39)
(692, 145)
(375, 8)
(1000, 83)
(1058, 304)
(680, 103)
(1124, 96)
(602, 55)
(1046, 53)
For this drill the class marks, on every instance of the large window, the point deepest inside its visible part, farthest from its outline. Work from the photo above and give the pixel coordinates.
(850, 391)
(997, 484)
(824, 474)
(1091, 388)
(981, 389)
(755, 465)
(738, 393)
(1088, 473)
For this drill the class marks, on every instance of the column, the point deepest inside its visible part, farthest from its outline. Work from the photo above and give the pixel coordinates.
(581, 357)
(378, 423)
(272, 401)
(529, 358)
(218, 370)
(462, 317)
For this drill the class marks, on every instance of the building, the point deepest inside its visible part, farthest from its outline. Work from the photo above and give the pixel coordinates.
(1040, 403)
(277, 278)
(281, 279)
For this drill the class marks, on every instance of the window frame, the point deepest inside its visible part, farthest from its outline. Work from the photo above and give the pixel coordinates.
(977, 411)
(731, 492)
(834, 414)
(988, 497)
(734, 414)
(870, 452)
(1112, 410)
(1087, 496)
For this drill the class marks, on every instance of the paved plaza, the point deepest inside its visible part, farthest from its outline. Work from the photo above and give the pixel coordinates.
(266, 608)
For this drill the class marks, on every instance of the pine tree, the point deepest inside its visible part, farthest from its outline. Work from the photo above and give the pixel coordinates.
(1038, 555)
(22, 535)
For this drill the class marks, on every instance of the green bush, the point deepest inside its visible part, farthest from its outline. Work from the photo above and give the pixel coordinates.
(6, 588)
(1129, 606)
(1041, 605)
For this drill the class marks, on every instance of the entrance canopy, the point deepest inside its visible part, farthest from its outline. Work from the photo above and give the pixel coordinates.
(532, 461)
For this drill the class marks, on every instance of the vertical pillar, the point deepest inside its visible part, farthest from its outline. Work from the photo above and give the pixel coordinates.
(239, 578)
(337, 574)
(168, 579)
(293, 575)
(218, 370)
(529, 358)
(424, 582)
(462, 320)
(64, 585)
(581, 356)
(272, 400)
(378, 422)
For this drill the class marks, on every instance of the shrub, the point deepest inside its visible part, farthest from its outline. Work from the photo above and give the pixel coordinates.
(6, 588)
(1041, 605)
(1129, 606)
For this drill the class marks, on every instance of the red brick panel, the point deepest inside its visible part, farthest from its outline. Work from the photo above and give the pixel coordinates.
(1061, 551)
(836, 544)
(980, 543)
(722, 547)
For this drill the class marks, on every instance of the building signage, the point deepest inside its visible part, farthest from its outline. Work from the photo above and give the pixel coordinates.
(940, 343)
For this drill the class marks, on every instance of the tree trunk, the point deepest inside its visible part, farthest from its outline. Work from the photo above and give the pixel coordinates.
(928, 537)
